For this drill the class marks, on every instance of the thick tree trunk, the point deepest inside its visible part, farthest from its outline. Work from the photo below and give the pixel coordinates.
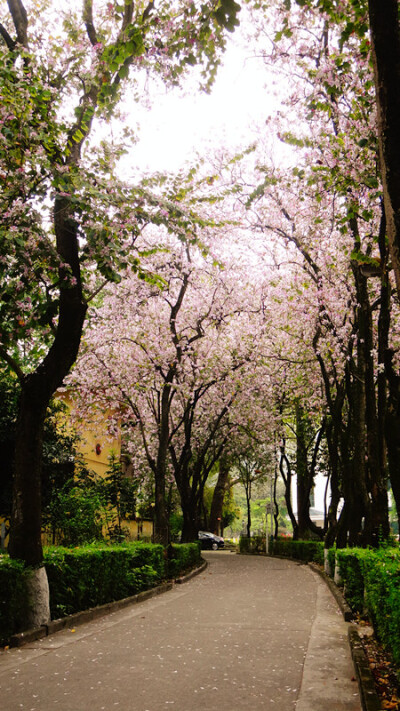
(26, 526)
(161, 523)
(392, 428)
(191, 519)
(385, 40)
(37, 390)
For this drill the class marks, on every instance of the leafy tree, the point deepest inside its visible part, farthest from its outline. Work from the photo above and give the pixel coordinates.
(344, 259)
(75, 513)
(60, 457)
(68, 224)
(177, 367)
(118, 493)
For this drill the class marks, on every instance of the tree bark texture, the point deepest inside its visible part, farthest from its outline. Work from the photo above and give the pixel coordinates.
(218, 497)
(37, 390)
(385, 41)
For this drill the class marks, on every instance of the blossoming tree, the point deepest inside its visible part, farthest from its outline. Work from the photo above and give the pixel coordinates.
(68, 224)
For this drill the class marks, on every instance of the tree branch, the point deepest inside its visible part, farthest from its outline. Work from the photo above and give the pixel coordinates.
(12, 363)
(20, 19)
(128, 14)
(88, 20)
(7, 39)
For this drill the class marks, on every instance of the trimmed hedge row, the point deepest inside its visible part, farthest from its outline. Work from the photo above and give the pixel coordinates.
(85, 577)
(254, 545)
(13, 597)
(89, 576)
(299, 550)
(371, 581)
(182, 557)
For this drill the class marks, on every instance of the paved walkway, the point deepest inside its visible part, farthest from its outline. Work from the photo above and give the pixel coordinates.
(248, 633)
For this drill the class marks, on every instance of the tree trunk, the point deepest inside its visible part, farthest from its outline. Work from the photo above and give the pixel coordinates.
(248, 499)
(191, 519)
(161, 523)
(385, 41)
(217, 503)
(392, 428)
(36, 392)
(369, 449)
(303, 480)
(287, 480)
(26, 523)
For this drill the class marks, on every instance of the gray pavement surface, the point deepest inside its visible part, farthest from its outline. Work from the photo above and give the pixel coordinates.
(248, 633)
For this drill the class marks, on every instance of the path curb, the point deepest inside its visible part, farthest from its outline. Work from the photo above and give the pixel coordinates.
(94, 613)
(369, 698)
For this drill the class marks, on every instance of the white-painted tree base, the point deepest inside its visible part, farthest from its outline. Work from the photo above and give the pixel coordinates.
(39, 598)
(327, 567)
(338, 578)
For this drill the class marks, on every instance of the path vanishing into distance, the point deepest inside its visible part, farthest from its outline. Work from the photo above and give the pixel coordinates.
(247, 633)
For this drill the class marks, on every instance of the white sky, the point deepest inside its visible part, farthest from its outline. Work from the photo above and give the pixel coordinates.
(178, 126)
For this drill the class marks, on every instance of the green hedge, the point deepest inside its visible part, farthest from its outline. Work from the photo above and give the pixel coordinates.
(88, 576)
(372, 579)
(254, 545)
(13, 597)
(85, 577)
(182, 556)
(299, 550)
(351, 572)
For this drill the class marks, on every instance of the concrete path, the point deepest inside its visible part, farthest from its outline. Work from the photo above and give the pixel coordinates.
(248, 633)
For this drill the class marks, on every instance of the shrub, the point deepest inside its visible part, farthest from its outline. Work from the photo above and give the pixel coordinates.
(351, 571)
(85, 577)
(332, 560)
(299, 550)
(13, 597)
(182, 557)
(254, 545)
(372, 580)
(381, 571)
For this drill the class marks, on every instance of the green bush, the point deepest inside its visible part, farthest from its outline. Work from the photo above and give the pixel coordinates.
(13, 597)
(85, 577)
(299, 550)
(332, 560)
(181, 557)
(254, 545)
(372, 581)
(381, 571)
(351, 572)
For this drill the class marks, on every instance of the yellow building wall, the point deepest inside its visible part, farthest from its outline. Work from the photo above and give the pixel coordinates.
(96, 448)
(95, 445)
